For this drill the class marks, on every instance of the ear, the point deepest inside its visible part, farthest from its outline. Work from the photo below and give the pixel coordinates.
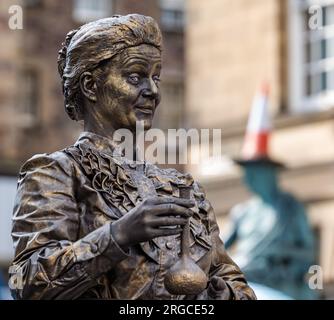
(88, 86)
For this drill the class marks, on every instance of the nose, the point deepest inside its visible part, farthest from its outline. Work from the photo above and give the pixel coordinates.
(151, 90)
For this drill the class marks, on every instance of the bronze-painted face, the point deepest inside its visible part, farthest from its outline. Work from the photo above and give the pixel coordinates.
(129, 91)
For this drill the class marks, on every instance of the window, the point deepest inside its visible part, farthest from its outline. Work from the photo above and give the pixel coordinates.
(172, 19)
(89, 10)
(311, 55)
(29, 94)
(31, 3)
(172, 15)
(170, 111)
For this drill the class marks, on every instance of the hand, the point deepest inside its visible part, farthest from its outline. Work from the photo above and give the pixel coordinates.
(144, 222)
(218, 289)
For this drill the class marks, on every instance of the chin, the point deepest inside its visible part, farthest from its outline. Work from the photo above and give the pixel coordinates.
(148, 121)
(147, 124)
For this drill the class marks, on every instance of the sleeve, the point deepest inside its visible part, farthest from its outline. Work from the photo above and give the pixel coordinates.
(231, 233)
(50, 261)
(222, 265)
(294, 247)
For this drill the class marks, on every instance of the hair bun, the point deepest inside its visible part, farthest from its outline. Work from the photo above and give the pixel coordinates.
(63, 51)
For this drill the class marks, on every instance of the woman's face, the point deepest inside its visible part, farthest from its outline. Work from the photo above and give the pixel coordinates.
(130, 90)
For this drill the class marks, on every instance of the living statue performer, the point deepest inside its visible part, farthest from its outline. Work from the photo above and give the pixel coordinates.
(270, 237)
(90, 223)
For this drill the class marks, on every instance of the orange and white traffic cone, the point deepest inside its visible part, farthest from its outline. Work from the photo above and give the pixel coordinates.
(256, 143)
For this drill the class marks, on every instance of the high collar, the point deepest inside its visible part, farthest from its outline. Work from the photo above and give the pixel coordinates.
(100, 143)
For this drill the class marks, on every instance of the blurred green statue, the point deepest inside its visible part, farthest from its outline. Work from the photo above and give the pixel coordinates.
(269, 237)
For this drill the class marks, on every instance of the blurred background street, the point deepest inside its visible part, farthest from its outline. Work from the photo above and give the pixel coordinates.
(217, 53)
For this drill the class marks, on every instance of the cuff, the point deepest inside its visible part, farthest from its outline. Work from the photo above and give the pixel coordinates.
(241, 291)
(98, 251)
(114, 245)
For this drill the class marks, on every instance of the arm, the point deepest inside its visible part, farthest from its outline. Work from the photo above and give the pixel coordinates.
(227, 281)
(224, 268)
(231, 238)
(50, 261)
(230, 235)
(296, 236)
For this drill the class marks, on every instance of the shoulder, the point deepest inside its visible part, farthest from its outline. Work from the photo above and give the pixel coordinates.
(42, 178)
(289, 201)
(176, 177)
(241, 210)
(48, 162)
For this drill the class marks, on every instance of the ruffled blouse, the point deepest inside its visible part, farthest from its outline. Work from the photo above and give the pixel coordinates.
(65, 204)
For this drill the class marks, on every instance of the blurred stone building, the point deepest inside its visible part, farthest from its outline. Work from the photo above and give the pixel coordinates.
(32, 114)
(232, 46)
(32, 117)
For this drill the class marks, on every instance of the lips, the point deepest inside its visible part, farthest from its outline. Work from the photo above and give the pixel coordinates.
(145, 109)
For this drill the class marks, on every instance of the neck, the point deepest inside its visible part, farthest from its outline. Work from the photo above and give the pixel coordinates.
(271, 195)
(98, 128)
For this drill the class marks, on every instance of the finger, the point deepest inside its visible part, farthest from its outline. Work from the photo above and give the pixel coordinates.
(171, 209)
(166, 232)
(211, 291)
(217, 287)
(218, 283)
(169, 221)
(188, 203)
(219, 295)
(214, 281)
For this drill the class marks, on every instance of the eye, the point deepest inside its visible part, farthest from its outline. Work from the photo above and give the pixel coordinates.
(156, 79)
(134, 78)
